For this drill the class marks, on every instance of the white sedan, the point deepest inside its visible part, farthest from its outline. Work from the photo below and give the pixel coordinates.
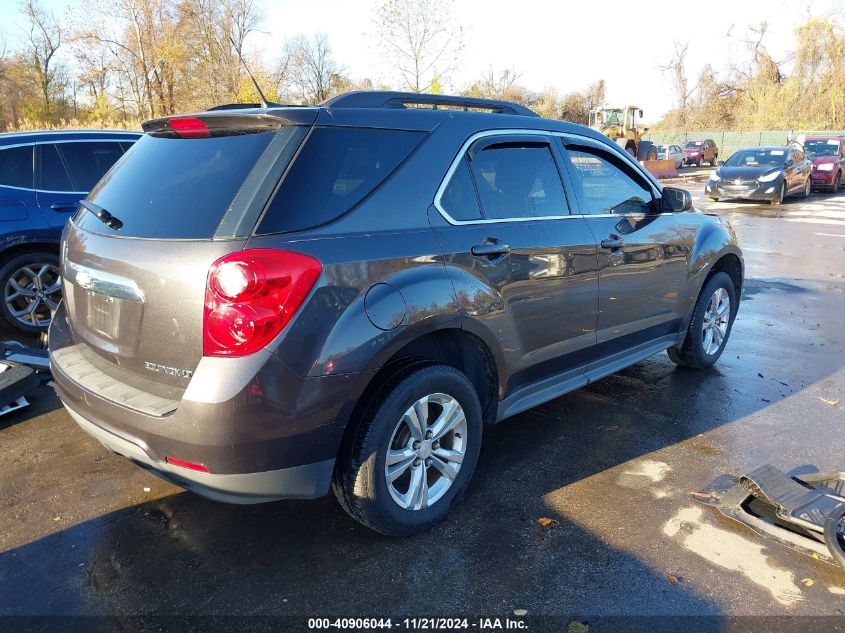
(671, 152)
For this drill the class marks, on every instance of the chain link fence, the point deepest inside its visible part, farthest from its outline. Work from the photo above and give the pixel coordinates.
(729, 142)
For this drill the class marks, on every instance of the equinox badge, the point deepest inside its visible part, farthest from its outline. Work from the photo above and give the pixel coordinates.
(170, 371)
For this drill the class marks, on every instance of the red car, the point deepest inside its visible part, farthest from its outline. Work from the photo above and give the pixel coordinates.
(828, 156)
(700, 152)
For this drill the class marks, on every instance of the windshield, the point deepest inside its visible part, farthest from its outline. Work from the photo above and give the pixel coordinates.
(822, 147)
(693, 143)
(757, 158)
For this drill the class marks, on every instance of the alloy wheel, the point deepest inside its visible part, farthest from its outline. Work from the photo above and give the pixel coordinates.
(426, 451)
(33, 292)
(716, 318)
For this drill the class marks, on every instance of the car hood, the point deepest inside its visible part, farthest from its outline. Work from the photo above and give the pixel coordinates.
(820, 160)
(745, 172)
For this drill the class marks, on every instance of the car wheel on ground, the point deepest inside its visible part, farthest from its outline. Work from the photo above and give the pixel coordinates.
(713, 160)
(413, 452)
(710, 325)
(31, 285)
(781, 195)
(837, 182)
(805, 192)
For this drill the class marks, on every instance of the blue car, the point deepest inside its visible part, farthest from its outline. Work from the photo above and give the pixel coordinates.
(43, 176)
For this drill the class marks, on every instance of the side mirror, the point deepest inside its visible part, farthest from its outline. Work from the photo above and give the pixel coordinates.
(676, 200)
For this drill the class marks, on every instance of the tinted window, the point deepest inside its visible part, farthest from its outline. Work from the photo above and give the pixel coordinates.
(459, 199)
(336, 169)
(518, 181)
(88, 162)
(606, 185)
(16, 167)
(54, 175)
(174, 187)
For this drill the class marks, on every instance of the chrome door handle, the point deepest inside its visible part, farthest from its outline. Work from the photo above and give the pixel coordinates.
(490, 249)
(613, 243)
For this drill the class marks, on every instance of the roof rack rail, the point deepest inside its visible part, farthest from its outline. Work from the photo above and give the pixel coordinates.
(379, 99)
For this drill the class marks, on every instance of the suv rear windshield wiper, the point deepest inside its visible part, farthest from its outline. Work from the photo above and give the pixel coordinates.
(101, 214)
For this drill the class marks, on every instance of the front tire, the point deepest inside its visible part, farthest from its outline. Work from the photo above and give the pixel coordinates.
(31, 286)
(781, 195)
(710, 325)
(413, 453)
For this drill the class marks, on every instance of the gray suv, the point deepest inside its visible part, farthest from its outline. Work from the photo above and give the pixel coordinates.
(267, 303)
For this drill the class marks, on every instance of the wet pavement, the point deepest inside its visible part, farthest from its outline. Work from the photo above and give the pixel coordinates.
(611, 465)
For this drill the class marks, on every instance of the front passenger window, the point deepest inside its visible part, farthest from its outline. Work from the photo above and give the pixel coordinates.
(518, 180)
(605, 186)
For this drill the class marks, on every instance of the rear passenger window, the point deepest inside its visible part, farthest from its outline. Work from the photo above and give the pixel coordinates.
(336, 169)
(459, 199)
(54, 175)
(88, 162)
(16, 167)
(517, 181)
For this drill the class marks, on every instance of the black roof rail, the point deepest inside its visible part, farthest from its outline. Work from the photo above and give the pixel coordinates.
(378, 99)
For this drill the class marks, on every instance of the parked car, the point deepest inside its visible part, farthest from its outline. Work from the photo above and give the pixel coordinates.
(43, 176)
(828, 156)
(261, 304)
(671, 152)
(767, 174)
(700, 152)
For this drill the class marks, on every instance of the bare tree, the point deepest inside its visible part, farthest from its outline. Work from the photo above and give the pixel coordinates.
(419, 39)
(677, 70)
(43, 41)
(595, 95)
(498, 86)
(311, 68)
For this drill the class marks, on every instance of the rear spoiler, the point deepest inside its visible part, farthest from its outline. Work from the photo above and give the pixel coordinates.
(222, 123)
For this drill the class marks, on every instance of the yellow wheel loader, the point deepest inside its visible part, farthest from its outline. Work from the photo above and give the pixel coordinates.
(620, 124)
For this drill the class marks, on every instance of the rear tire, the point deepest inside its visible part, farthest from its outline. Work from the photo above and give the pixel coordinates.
(713, 160)
(805, 192)
(387, 429)
(31, 289)
(696, 352)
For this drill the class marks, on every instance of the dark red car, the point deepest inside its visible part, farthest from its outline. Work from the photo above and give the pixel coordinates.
(700, 152)
(828, 156)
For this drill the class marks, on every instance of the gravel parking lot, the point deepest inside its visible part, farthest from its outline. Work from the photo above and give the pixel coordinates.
(612, 466)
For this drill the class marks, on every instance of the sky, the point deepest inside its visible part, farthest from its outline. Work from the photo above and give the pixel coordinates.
(552, 44)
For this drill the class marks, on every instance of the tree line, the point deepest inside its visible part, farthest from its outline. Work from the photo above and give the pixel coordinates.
(132, 60)
(114, 63)
(803, 90)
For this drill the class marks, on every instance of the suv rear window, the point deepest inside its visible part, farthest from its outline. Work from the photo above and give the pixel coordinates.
(336, 169)
(174, 187)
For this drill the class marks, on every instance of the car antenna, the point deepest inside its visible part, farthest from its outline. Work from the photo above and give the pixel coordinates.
(264, 102)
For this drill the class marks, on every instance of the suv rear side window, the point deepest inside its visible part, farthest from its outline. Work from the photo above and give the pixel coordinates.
(88, 162)
(16, 167)
(336, 169)
(175, 188)
(517, 180)
(459, 198)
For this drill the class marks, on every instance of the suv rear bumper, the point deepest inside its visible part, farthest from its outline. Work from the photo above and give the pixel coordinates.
(262, 431)
(298, 482)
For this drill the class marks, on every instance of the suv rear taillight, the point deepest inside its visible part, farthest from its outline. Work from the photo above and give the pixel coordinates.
(251, 296)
